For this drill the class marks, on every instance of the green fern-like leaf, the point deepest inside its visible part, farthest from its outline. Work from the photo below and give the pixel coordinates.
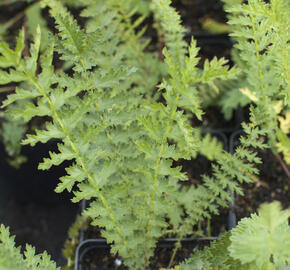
(259, 242)
(262, 51)
(12, 259)
(264, 239)
(214, 257)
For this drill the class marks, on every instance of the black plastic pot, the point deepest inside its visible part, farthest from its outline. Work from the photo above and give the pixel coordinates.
(101, 246)
(220, 135)
(232, 219)
(233, 139)
(204, 38)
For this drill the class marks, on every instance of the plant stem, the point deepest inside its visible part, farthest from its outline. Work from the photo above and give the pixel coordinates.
(284, 166)
(155, 182)
(6, 89)
(177, 246)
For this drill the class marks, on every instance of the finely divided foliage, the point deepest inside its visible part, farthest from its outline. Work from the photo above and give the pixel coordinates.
(259, 242)
(11, 257)
(122, 141)
(261, 32)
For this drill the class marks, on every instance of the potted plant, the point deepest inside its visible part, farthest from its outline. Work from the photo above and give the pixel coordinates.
(259, 242)
(124, 136)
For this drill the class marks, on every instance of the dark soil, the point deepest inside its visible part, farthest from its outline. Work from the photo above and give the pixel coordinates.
(193, 12)
(101, 259)
(213, 119)
(272, 185)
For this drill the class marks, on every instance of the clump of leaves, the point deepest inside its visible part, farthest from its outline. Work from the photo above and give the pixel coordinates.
(259, 242)
(110, 122)
(11, 257)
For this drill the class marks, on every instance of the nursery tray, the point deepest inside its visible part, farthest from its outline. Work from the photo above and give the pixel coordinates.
(205, 38)
(104, 261)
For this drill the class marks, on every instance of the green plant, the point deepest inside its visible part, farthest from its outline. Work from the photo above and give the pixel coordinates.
(257, 243)
(32, 15)
(12, 259)
(70, 245)
(12, 132)
(261, 32)
(122, 135)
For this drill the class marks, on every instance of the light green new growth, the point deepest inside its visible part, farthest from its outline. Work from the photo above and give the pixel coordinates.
(257, 243)
(261, 31)
(12, 259)
(264, 239)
